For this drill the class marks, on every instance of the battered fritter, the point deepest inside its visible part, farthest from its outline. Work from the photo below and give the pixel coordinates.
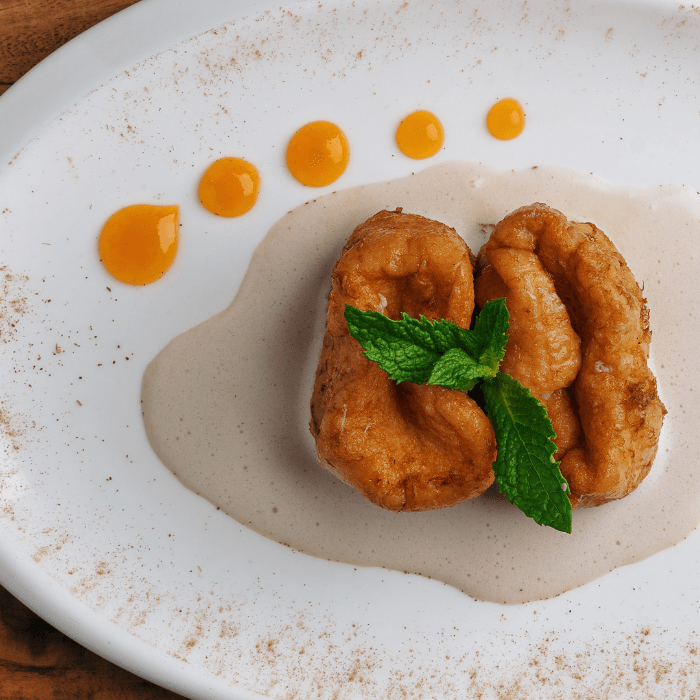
(404, 447)
(531, 253)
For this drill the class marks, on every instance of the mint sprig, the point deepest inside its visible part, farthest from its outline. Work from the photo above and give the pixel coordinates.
(525, 468)
(441, 353)
(424, 352)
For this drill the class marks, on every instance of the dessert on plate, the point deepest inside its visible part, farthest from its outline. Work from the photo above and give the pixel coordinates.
(405, 447)
(578, 340)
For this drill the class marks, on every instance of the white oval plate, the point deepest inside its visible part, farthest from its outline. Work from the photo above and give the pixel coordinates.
(95, 534)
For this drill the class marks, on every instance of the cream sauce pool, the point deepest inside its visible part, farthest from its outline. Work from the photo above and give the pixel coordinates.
(226, 404)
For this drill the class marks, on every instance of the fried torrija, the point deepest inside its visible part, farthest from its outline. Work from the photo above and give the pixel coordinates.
(591, 341)
(405, 447)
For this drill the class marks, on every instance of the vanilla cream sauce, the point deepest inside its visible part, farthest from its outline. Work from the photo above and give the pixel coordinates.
(226, 404)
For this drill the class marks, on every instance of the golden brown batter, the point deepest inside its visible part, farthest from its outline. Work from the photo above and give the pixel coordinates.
(553, 270)
(405, 447)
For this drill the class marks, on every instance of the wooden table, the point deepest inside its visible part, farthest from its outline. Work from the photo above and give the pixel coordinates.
(36, 661)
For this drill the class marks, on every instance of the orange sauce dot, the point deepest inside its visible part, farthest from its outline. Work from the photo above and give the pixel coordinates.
(420, 135)
(138, 243)
(229, 187)
(318, 154)
(505, 119)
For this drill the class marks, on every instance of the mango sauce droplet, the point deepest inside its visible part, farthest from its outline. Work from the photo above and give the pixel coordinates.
(229, 187)
(420, 135)
(506, 119)
(138, 243)
(318, 154)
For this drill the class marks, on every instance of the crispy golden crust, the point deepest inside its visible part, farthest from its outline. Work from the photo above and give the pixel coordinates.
(404, 447)
(562, 411)
(543, 351)
(615, 392)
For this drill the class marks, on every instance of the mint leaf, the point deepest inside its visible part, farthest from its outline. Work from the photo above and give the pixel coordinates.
(457, 370)
(488, 340)
(524, 467)
(406, 350)
(411, 349)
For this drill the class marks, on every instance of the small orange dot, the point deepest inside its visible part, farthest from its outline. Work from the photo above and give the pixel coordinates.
(506, 119)
(420, 135)
(138, 243)
(229, 187)
(318, 154)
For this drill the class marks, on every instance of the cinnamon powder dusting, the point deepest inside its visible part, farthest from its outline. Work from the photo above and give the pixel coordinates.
(13, 302)
(13, 305)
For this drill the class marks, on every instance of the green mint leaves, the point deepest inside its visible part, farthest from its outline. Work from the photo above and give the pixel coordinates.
(525, 469)
(442, 353)
(433, 352)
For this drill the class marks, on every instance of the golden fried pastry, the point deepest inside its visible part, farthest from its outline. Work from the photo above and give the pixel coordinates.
(562, 411)
(404, 447)
(543, 351)
(614, 390)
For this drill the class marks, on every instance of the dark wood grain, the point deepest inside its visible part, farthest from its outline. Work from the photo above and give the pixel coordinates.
(31, 29)
(38, 662)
